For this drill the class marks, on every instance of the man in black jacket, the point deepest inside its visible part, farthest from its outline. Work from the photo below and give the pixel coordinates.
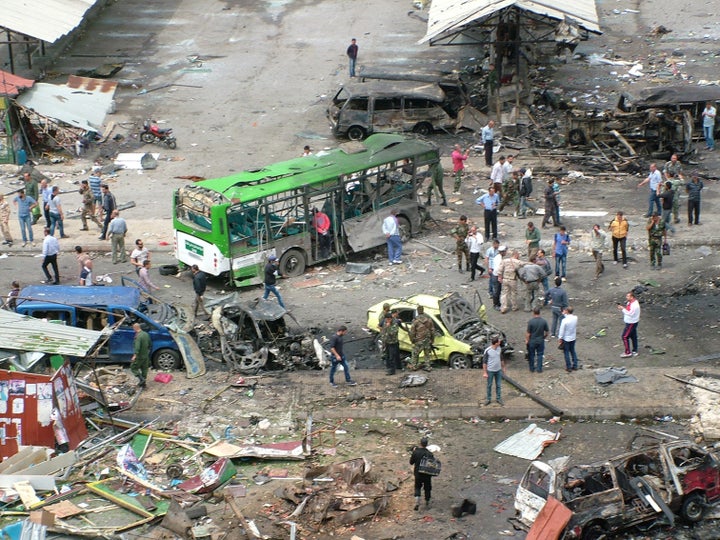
(199, 286)
(422, 481)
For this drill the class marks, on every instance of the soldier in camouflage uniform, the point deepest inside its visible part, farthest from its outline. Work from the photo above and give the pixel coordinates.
(657, 235)
(507, 275)
(391, 344)
(510, 192)
(422, 335)
(460, 232)
(88, 209)
(673, 173)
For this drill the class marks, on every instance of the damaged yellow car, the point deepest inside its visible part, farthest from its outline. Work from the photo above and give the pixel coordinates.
(461, 329)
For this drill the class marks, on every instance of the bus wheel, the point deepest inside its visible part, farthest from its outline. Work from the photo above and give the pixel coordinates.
(166, 360)
(292, 263)
(423, 128)
(405, 230)
(356, 133)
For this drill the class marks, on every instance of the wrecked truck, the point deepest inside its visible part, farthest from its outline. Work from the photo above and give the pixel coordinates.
(641, 488)
(254, 336)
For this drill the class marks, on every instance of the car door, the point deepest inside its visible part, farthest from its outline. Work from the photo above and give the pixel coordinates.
(387, 114)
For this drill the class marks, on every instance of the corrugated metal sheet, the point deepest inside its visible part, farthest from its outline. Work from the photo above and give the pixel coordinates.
(83, 105)
(11, 85)
(21, 333)
(447, 16)
(47, 20)
(528, 444)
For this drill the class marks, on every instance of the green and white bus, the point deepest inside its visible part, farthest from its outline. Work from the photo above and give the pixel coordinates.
(230, 226)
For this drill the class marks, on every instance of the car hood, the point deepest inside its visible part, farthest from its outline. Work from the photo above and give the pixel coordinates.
(457, 313)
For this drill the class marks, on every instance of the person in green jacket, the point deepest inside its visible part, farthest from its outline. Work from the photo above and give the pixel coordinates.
(141, 358)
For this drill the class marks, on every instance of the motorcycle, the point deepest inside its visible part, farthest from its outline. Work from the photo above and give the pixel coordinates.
(152, 133)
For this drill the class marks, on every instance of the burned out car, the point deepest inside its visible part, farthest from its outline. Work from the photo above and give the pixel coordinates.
(255, 336)
(461, 329)
(645, 487)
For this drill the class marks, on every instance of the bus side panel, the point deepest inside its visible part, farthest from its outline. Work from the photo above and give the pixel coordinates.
(191, 250)
(365, 232)
(250, 269)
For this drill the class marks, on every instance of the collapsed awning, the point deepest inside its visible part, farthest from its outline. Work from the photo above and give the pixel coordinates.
(47, 20)
(22, 333)
(82, 102)
(452, 16)
(11, 85)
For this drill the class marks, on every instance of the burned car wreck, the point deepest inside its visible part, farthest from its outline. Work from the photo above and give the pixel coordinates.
(642, 488)
(255, 336)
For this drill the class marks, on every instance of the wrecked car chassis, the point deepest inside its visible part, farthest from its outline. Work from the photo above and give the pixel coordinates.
(255, 336)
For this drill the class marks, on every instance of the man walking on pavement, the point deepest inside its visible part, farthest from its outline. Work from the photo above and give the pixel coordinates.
(422, 481)
(532, 239)
(558, 301)
(488, 135)
(561, 243)
(55, 210)
(271, 270)
(460, 233)
(667, 196)
(458, 160)
(567, 335)
(631, 318)
(493, 369)
(31, 189)
(422, 335)
(654, 179)
(525, 189)
(657, 236)
(199, 286)
(25, 206)
(391, 230)
(352, 54)
(551, 205)
(535, 335)
(619, 230)
(493, 258)
(474, 242)
(108, 205)
(50, 250)
(490, 202)
(337, 356)
(141, 357)
(437, 176)
(693, 189)
(708, 116)
(88, 206)
(497, 174)
(673, 172)
(531, 274)
(117, 229)
(598, 242)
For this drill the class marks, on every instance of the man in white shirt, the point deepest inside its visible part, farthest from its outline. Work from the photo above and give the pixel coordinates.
(567, 336)
(708, 117)
(496, 175)
(488, 135)
(50, 250)
(391, 230)
(139, 255)
(474, 243)
(654, 179)
(631, 317)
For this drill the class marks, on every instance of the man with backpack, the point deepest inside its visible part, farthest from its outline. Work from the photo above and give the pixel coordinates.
(524, 191)
(423, 481)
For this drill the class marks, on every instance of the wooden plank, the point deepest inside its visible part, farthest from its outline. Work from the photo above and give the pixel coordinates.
(51, 466)
(551, 521)
(37, 481)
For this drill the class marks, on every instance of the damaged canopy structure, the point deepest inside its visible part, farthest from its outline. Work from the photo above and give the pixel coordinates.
(455, 22)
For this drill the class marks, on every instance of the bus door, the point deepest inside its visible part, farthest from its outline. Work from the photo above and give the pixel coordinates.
(330, 245)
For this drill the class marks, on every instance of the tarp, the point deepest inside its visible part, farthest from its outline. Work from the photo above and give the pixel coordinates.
(81, 103)
(11, 85)
(448, 16)
(47, 20)
(527, 444)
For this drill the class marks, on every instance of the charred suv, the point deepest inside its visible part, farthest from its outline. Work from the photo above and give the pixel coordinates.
(641, 488)
(255, 336)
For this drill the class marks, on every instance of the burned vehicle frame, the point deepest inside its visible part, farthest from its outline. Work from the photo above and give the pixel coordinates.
(642, 488)
(255, 336)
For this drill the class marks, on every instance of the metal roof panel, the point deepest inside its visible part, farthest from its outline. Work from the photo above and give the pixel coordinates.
(47, 20)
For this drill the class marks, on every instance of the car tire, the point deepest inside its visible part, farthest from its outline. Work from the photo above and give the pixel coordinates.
(166, 360)
(459, 361)
(356, 133)
(693, 507)
(423, 128)
(168, 269)
(292, 263)
(576, 137)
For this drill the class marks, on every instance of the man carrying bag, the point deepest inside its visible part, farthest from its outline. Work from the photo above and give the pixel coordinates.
(425, 466)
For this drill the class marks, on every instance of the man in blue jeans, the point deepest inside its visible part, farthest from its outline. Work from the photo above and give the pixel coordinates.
(561, 242)
(537, 331)
(271, 278)
(567, 336)
(494, 367)
(337, 356)
(654, 179)
(25, 204)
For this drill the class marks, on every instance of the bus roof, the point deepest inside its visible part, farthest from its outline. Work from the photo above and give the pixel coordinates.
(350, 157)
(80, 296)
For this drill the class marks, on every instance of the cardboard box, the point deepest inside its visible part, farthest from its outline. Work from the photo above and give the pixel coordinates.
(42, 517)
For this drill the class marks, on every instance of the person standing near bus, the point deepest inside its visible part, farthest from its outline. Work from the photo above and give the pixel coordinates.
(458, 160)
(391, 230)
(199, 286)
(321, 224)
(271, 270)
(140, 361)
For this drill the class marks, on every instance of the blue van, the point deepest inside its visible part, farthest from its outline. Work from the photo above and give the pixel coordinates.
(119, 307)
